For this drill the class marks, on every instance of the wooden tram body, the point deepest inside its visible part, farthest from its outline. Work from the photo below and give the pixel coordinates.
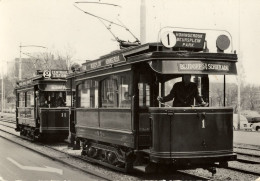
(40, 114)
(126, 132)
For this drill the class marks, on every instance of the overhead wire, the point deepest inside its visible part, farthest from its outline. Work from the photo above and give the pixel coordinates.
(101, 19)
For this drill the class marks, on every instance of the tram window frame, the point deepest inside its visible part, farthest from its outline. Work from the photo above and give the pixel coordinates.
(200, 79)
(116, 91)
(88, 94)
(56, 98)
(145, 92)
(216, 92)
(21, 99)
(223, 86)
(29, 102)
(70, 99)
(124, 91)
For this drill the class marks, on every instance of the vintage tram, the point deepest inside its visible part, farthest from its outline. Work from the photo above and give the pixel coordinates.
(41, 108)
(120, 122)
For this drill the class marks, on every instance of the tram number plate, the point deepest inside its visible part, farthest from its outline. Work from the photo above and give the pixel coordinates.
(203, 123)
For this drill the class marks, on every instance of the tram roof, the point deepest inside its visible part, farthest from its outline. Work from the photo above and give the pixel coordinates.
(38, 79)
(156, 53)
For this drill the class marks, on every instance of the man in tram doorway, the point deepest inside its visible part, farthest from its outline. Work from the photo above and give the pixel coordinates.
(60, 101)
(184, 93)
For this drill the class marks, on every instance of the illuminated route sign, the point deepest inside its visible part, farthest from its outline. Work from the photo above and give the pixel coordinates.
(189, 40)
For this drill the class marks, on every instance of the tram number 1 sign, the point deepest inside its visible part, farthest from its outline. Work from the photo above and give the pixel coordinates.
(168, 39)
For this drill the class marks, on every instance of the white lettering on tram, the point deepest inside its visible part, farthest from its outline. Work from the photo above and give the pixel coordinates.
(193, 66)
(203, 66)
(112, 60)
(218, 67)
(95, 65)
(189, 39)
(189, 35)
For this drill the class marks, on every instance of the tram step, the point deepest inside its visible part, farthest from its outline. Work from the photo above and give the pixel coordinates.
(149, 168)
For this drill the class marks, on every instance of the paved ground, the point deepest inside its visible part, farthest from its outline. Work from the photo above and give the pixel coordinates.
(247, 137)
(19, 163)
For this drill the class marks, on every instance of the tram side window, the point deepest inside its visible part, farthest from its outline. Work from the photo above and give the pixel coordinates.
(88, 94)
(109, 92)
(70, 99)
(124, 91)
(144, 94)
(21, 99)
(144, 90)
(29, 99)
(116, 91)
(216, 93)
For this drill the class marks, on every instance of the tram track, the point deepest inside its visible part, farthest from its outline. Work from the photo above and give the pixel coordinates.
(142, 176)
(103, 177)
(186, 174)
(243, 171)
(195, 177)
(247, 148)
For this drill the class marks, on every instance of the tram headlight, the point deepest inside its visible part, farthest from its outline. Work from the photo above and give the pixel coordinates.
(223, 42)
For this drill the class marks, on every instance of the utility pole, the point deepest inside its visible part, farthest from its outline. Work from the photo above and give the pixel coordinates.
(143, 22)
(2, 95)
(239, 72)
(20, 63)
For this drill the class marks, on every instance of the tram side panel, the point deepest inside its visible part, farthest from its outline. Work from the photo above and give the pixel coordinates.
(26, 117)
(87, 123)
(116, 127)
(106, 125)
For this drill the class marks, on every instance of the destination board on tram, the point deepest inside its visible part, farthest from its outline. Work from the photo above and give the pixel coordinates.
(55, 74)
(189, 39)
(59, 73)
(204, 66)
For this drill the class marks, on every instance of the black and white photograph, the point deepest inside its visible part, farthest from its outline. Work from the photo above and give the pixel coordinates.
(129, 90)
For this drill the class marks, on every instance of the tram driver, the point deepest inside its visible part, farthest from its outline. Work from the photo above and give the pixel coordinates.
(183, 93)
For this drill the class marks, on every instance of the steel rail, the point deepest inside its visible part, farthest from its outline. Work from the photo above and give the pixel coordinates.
(103, 177)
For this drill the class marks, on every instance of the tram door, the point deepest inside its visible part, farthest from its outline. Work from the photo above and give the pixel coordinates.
(147, 91)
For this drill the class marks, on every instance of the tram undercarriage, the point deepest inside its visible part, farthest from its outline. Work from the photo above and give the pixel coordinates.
(113, 156)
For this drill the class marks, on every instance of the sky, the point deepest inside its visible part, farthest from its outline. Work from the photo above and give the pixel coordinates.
(61, 27)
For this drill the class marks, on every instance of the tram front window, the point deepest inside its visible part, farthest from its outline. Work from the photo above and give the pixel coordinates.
(215, 90)
(185, 91)
(53, 99)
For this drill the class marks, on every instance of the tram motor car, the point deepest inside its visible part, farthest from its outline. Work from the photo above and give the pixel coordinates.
(120, 122)
(41, 109)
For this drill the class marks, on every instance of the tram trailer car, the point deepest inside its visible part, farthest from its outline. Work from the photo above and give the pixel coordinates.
(41, 112)
(121, 124)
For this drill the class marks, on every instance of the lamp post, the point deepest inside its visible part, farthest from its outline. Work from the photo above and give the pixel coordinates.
(20, 59)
